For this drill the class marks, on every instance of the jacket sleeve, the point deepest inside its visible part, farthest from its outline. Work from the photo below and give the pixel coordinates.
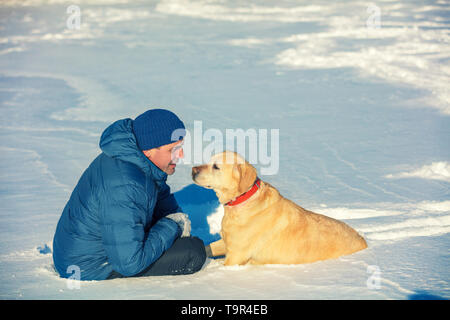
(129, 248)
(166, 203)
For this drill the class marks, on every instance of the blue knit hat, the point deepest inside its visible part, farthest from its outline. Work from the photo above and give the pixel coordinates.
(157, 127)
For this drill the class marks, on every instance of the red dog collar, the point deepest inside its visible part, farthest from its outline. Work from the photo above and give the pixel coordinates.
(245, 196)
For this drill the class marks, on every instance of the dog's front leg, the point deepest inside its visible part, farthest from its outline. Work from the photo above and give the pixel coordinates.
(216, 248)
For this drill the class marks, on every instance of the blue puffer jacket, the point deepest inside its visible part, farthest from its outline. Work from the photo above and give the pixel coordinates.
(114, 219)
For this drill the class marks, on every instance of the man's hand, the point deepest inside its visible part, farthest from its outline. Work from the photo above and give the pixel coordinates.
(183, 222)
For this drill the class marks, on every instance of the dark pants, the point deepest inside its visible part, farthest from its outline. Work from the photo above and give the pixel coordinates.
(186, 255)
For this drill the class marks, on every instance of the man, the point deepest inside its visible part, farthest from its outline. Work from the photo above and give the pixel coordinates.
(121, 219)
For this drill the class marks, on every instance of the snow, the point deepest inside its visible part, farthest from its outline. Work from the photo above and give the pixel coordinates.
(362, 111)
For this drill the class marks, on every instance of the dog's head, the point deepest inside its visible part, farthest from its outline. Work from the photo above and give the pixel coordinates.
(228, 174)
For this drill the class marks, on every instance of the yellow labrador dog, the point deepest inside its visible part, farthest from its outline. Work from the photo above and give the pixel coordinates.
(260, 226)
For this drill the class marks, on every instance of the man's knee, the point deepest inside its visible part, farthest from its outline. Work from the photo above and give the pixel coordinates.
(197, 253)
(187, 255)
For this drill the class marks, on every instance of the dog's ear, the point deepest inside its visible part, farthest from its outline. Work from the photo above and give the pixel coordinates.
(247, 176)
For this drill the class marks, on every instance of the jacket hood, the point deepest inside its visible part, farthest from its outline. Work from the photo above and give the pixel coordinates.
(119, 142)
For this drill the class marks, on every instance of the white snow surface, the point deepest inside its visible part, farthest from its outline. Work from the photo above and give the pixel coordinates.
(363, 113)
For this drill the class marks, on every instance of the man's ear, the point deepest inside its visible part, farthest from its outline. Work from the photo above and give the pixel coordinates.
(248, 176)
(149, 153)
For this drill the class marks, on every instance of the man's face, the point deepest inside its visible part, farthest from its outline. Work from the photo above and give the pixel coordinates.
(166, 157)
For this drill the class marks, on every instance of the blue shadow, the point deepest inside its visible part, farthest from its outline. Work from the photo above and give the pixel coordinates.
(423, 295)
(198, 203)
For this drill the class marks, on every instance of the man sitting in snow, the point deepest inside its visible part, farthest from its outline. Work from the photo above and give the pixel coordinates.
(121, 219)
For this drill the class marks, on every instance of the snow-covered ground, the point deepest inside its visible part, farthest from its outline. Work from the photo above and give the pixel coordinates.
(358, 90)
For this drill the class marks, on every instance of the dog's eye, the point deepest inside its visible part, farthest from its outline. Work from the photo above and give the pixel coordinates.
(215, 167)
